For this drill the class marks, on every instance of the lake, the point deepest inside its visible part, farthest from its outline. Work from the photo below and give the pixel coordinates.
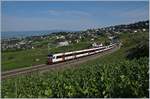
(6, 35)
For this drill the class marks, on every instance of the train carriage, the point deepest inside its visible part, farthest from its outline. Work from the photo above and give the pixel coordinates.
(61, 57)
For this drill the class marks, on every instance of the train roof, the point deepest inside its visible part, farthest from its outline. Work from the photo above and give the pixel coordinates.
(50, 54)
(71, 52)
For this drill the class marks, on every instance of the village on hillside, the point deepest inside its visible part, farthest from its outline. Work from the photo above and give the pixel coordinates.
(100, 36)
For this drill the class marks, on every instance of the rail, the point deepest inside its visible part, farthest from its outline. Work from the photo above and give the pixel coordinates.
(43, 67)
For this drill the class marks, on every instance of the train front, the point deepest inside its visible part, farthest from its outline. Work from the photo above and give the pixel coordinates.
(50, 59)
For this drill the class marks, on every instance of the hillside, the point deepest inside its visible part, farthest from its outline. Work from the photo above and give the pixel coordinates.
(25, 52)
(114, 75)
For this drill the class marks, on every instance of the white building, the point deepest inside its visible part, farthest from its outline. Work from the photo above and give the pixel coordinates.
(77, 41)
(97, 45)
(64, 43)
(22, 43)
(110, 37)
(135, 31)
(60, 37)
(92, 39)
(144, 30)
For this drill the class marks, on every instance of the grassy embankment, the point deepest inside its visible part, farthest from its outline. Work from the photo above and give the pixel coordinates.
(31, 57)
(112, 75)
(19, 59)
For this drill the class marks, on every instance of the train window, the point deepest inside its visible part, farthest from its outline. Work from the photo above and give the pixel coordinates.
(50, 55)
(64, 55)
(72, 54)
(59, 57)
(89, 51)
(69, 55)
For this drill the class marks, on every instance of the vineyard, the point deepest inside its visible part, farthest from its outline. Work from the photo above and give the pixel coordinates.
(113, 75)
(121, 78)
(79, 49)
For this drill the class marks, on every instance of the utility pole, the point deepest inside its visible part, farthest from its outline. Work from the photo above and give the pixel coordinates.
(48, 47)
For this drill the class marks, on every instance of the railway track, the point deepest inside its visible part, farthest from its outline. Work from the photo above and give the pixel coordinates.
(44, 67)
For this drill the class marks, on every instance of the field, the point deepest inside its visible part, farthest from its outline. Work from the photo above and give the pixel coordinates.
(114, 75)
(31, 57)
(97, 78)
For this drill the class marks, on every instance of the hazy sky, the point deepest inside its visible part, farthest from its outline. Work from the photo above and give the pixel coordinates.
(32, 15)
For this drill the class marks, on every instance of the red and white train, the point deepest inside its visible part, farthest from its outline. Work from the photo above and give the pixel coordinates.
(61, 57)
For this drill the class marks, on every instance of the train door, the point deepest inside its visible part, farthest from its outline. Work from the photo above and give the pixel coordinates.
(74, 55)
(63, 57)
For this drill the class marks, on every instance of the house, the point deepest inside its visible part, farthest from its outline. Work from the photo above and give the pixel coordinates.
(80, 37)
(110, 37)
(92, 39)
(117, 32)
(135, 31)
(60, 37)
(63, 43)
(144, 30)
(70, 41)
(97, 45)
(22, 43)
(77, 41)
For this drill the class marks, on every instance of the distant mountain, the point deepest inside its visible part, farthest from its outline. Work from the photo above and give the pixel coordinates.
(137, 25)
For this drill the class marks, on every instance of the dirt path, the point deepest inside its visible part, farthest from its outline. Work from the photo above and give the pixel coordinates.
(43, 67)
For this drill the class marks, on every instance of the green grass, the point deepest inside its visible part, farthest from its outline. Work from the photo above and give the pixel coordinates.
(26, 58)
(108, 76)
(112, 75)
(19, 59)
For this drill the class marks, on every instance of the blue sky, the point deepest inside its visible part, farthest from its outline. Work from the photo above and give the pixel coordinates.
(32, 15)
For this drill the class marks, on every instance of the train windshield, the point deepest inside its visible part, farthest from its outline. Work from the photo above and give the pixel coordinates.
(50, 56)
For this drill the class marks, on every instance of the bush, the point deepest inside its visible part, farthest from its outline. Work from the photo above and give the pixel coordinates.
(140, 50)
(123, 79)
